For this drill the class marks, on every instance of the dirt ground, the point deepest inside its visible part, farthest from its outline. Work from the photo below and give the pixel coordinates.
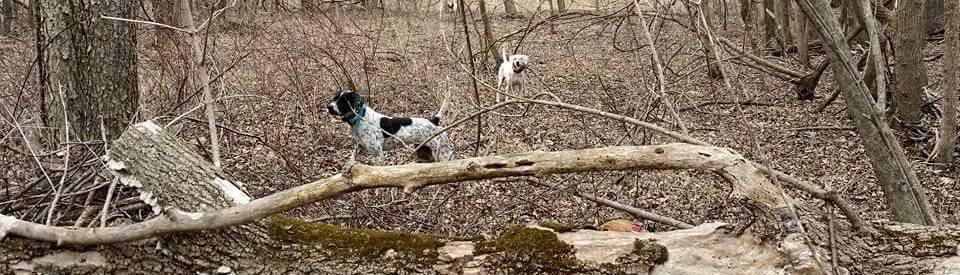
(277, 80)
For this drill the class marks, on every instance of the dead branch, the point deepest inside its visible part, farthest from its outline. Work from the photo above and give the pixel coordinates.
(659, 68)
(747, 180)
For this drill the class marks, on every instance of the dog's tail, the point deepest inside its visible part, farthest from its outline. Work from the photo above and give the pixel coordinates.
(443, 105)
(503, 54)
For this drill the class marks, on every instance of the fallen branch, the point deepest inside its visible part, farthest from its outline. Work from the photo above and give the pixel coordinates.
(747, 180)
(821, 128)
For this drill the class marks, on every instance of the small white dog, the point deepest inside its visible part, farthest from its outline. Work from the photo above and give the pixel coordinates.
(511, 72)
(448, 6)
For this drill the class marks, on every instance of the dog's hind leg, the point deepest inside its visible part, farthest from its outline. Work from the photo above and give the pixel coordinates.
(441, 146)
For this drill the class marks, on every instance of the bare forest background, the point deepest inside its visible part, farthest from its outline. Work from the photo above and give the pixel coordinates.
(651, 137)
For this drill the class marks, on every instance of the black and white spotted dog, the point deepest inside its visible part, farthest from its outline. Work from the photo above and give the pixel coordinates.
(376, 132)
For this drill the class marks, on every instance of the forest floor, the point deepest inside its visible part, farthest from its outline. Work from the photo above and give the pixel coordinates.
(280, 136)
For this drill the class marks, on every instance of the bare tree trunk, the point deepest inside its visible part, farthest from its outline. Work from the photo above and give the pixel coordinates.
(911, 73)
(561, 6)
(93, 62)
(6, 20)
(201, 68)
(875, 72)
(933, 16)
(510, 8)
(803, 41)
(951, 66)
(707, 10)
(781, 9)
(487, 33)
(902, 190)
(713, 65)
(771, 34)
(756, 27)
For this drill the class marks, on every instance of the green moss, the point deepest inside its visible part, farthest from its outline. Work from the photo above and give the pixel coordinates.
(645, 255)
(650, 251)
(350, 244)
(523, 250)
(558, 227)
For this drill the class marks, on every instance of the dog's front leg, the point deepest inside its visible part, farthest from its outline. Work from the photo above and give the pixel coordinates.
(376, 156)
(353, 156)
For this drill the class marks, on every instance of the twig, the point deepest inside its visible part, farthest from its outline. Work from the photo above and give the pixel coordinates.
(821, 128)
(473, 70)
(833, 96)
(66, 157)
(659, 68)
(806, 236)
(616, 205)
(833, 242)
(708, 103)
(199, 54)
(106, 202)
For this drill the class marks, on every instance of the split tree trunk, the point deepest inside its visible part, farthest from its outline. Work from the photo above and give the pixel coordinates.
(911, 75)
(902, 190)
(93, 62)
(951, 66)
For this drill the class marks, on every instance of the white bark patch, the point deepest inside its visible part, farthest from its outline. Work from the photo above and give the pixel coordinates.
(145, 196)
(193, 215)
(149, 127)
(115, 165)
(231, 191)
(6, 223)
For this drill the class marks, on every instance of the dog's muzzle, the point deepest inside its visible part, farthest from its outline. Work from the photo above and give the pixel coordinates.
(331, 108)
(519, 69)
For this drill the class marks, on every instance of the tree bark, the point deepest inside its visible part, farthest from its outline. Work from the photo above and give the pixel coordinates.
(903, 193)
(781, 9)
(561, 6)
(756, 27)
(951, 66)
(803, 41)
(510, 8)
(709, 48)
(933, 16)
(487, 33)
(6, 20)
(93, 62)
(875, 72)
(911, 73)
